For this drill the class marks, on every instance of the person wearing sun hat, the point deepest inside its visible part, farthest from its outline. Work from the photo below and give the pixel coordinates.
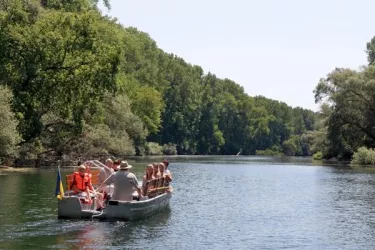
(125, 183)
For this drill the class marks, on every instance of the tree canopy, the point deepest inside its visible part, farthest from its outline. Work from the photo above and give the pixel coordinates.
(81, 84)
(347, 99)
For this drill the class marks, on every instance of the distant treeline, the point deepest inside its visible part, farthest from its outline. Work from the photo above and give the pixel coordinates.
(76, 83)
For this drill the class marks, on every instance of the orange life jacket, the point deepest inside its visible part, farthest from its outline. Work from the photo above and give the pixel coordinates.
(81, 182)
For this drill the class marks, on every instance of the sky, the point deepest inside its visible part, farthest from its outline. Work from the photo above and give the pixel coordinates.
(278, 49)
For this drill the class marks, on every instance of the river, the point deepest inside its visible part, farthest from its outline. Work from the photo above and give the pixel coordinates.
(218, 203)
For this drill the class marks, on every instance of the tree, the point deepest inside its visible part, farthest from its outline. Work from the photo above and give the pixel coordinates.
(59, 65)
(9, 136)
(347, 92)
(370, 50)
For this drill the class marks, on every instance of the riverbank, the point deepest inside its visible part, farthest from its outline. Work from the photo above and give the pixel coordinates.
(4, 169)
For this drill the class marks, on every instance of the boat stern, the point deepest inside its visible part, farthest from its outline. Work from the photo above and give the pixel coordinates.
(72, 208)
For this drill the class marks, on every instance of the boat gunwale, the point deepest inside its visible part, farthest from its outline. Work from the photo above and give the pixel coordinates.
(141, 201)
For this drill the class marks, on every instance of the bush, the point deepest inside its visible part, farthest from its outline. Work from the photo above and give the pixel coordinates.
(101, 140)
(152, 148)
(268, 152)
(318, 156)
(364, 156)
(289, 147)
(169, 149)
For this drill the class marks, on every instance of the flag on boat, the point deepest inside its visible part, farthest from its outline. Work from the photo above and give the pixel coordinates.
(59, 186)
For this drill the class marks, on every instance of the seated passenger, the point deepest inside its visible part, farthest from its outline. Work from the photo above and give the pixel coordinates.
(166, 164)
(165, 173)
(124, 183)
(156, 173)
(82, 187)
(116, 165)
(161, 169)
(80, 182)
(147, 177)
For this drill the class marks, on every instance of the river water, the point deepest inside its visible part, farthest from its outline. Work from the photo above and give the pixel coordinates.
(218, 203)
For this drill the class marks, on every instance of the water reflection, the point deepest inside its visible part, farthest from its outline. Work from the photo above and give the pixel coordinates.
(95, 234)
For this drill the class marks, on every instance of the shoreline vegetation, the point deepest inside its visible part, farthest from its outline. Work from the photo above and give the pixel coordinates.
(50, 165)
(347, 106)
(75, 84)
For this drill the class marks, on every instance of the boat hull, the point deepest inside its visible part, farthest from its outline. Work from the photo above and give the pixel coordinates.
(72, 208)
(134, 210)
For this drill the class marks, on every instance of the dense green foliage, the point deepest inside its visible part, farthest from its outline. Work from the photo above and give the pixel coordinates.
(364, 156)
(9, 136)
(318, 156)
(348, 107)
(84, 85)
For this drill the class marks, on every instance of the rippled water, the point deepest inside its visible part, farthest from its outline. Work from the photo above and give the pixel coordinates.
(218, 203)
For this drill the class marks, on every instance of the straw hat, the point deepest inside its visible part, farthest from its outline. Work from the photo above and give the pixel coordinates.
(125, 165)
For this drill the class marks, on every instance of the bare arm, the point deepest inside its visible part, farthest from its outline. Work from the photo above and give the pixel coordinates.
(168, 177)
(139, 191)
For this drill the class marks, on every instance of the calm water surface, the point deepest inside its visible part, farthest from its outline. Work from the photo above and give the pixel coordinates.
(218, 203)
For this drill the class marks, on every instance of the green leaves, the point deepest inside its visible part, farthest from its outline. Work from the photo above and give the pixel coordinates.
(348, 106)
(370, 50)
(82, 84)
(9, 136)
(62, 64)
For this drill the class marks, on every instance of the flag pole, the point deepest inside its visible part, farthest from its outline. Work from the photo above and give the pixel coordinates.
(59, 186)
(58, 167)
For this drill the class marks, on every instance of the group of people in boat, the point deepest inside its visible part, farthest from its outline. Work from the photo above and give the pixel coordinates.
(116, 182)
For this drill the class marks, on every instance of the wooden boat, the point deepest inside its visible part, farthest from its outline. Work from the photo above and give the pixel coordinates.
(134, 210)
(157, 198)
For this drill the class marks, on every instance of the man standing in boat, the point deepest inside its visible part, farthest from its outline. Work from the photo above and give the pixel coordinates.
(125, 183)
